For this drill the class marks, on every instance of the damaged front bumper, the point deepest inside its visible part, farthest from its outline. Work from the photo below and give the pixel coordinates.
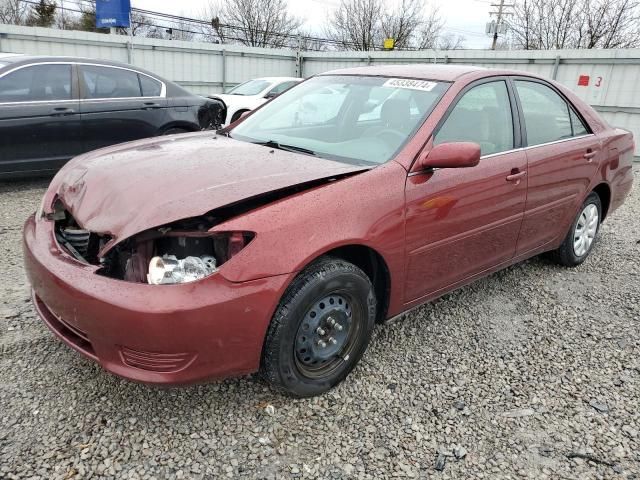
(170, 334)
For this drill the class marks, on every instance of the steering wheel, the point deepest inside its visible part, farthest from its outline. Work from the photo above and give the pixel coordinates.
(390, 134)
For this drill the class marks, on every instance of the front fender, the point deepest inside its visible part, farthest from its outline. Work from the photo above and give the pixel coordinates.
(364, 209)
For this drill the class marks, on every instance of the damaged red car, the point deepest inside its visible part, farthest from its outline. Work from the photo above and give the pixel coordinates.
(276, 244)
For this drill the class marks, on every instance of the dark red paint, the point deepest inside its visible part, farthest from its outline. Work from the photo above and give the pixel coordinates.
(435, 230)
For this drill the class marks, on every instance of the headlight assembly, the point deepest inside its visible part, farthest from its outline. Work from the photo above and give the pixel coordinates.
(169, 269)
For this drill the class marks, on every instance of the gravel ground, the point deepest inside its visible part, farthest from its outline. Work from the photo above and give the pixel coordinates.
(532, 372)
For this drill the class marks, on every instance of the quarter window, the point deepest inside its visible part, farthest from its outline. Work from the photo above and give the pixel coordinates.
(150, 86)
(483, 116)
(37, 83)
(107, 82)
(577, 125)
(546, 114)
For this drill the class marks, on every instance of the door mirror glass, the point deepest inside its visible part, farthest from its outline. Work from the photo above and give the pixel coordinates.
(451, 155)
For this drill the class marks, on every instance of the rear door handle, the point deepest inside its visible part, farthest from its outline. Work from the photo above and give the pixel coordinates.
(61, 111)
(516, 176)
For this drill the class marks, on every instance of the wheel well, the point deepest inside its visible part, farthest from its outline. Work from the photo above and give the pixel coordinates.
(237, 114)
(185, 126)
(604, 192)
(374, 266)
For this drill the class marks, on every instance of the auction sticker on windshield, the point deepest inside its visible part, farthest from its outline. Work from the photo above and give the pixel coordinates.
(409, 83)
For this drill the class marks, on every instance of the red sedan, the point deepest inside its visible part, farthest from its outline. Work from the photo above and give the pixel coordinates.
(275, 245)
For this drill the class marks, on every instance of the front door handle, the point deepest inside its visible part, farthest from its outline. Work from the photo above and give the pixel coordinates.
(516, 176)
(151, 105)
(590, 154)
(60, 111)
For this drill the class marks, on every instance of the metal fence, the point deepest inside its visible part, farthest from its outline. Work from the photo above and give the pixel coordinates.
(609, 80)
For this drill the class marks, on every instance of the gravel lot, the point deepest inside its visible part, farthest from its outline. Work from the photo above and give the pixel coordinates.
(532, 372)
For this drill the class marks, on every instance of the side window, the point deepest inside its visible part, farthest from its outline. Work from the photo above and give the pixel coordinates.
(482, 115)
(150, 86)
(577, 125)
(546, 114)
(107, 82)
(37, 83)
(278, 89)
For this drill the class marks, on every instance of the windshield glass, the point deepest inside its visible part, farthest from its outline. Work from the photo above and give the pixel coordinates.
(252, 87)
(352, 118)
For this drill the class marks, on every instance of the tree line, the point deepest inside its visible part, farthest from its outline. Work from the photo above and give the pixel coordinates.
(359, 24)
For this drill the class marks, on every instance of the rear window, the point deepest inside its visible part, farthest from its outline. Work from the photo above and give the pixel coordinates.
(107, 82)
(252, 87)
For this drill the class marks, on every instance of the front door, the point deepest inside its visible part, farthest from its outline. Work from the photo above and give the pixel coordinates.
(39, 118)
(461, 222)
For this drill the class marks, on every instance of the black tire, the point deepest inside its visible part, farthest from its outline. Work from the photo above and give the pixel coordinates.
(566, 255)
(331, 294)
(174, 131)
(237, 115)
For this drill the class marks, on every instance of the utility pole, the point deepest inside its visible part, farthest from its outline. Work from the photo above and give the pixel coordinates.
(498, 27)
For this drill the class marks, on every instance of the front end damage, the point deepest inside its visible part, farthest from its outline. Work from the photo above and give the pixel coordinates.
(177, 252)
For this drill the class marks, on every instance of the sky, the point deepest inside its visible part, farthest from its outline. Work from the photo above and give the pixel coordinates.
(462, 17)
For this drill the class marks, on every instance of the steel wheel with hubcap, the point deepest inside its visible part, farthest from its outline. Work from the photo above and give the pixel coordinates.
(320, 329)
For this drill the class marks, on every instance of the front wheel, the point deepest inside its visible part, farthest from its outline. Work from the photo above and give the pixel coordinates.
(320, 330)
(580, 240)
(174, 131)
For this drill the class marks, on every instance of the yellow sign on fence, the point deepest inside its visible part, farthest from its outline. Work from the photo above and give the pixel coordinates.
(389, 43)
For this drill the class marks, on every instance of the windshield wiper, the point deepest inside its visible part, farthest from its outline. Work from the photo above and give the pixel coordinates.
(287, 148)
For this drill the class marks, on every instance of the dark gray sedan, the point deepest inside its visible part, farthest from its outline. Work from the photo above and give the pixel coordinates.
(54, 108)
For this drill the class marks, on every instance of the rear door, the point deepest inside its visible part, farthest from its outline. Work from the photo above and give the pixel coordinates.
(562, 156)
(118, 105)
(39, 118)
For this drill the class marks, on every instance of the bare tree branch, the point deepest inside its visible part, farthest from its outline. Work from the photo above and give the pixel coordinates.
(554, 24)
(13, 12)
(255, 23)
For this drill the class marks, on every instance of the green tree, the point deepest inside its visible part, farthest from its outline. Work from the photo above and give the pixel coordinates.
(42, 14)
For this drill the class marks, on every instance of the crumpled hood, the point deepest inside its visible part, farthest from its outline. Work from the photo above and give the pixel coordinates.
(125, 189)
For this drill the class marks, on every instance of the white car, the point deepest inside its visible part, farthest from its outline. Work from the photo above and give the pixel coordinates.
(251, 94)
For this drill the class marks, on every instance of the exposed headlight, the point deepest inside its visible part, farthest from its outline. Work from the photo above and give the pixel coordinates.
(168, 269)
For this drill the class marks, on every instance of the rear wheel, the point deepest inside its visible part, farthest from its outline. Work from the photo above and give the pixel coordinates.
(580, 240)
(320, 330)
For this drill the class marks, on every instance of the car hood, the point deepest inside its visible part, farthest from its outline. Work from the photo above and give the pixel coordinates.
(126, 189)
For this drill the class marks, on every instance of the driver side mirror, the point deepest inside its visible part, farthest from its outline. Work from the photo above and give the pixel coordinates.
(271, 95)
(450, 155)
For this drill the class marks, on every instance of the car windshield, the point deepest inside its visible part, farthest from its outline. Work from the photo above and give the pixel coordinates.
(357, 119)
(252, 87)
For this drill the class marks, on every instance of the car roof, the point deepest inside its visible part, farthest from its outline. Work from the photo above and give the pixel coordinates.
(426, 71)
(21, 59)
(278, 79)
